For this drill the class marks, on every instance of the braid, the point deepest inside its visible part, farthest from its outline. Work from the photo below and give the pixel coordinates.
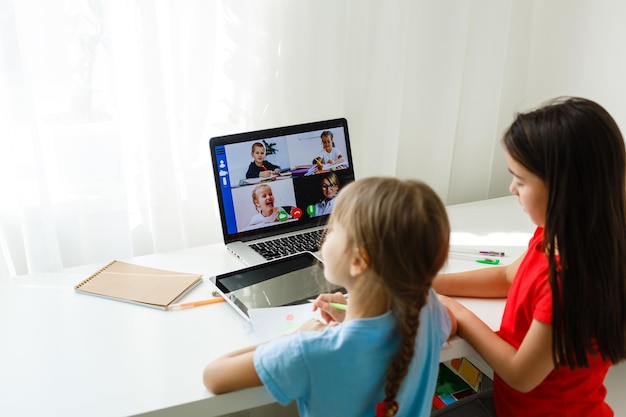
(409, 315)
(399, 365)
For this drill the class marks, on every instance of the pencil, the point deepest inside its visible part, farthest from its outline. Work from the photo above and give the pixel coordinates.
(195, 303)
(336, 306)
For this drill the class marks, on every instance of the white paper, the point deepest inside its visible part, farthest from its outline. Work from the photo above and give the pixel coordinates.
(270, 323)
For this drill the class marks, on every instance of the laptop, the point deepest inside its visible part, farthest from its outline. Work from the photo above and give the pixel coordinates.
(276, 187)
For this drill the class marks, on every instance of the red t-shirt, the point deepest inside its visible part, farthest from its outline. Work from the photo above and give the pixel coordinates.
(564, 392)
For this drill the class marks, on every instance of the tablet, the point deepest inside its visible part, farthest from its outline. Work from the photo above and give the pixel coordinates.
(286, 281)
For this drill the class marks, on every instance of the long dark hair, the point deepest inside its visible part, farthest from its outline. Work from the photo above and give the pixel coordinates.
(576, 147)
(403, 227)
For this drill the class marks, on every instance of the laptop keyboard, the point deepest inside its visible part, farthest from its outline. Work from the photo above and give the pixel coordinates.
(272, 249)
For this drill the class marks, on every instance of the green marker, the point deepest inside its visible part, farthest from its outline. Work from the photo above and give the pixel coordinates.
(338, 306)
(488, 261)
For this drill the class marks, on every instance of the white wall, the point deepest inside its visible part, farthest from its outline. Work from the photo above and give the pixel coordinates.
(577, 48)
(444, 80)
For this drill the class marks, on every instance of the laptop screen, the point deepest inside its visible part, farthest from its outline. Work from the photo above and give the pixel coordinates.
(279, 180)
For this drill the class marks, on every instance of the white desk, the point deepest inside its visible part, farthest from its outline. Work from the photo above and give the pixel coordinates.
(495, 224)
(69, 354)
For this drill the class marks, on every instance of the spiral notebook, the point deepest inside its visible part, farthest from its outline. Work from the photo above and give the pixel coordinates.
(138, 284)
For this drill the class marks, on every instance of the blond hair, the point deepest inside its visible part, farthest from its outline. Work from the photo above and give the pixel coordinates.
(255, 197)
(403, 227)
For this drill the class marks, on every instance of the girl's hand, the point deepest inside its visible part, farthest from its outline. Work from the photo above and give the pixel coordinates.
(453, 319)
(330, 314)
(456, 311)
(264, 174)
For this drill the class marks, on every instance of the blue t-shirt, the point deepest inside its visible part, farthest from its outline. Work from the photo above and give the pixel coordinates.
(342, 370)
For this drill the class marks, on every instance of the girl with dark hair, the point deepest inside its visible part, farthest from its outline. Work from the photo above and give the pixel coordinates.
(564, 322)
(383, 357)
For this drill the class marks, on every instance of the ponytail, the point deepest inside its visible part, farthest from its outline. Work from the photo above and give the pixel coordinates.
(409, 322)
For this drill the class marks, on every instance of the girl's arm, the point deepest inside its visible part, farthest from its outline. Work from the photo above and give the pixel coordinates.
(491, 282)
(524, 368)
(232, 372)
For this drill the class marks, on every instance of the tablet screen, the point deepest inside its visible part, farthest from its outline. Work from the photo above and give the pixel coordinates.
(287, 281)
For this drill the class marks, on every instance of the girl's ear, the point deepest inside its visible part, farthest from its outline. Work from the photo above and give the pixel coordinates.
(360, 262)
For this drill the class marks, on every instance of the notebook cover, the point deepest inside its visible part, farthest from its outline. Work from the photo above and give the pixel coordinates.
(138, 284)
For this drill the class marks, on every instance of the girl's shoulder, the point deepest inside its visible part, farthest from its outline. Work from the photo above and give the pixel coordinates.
(353, 336)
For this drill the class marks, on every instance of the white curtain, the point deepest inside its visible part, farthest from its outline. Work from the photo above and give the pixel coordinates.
(107, 106)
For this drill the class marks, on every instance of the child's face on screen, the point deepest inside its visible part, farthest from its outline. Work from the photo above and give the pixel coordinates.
(258, 154)
(264, 200)
(327, 143)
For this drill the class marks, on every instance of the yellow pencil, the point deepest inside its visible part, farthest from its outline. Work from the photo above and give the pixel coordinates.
(195, 303)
